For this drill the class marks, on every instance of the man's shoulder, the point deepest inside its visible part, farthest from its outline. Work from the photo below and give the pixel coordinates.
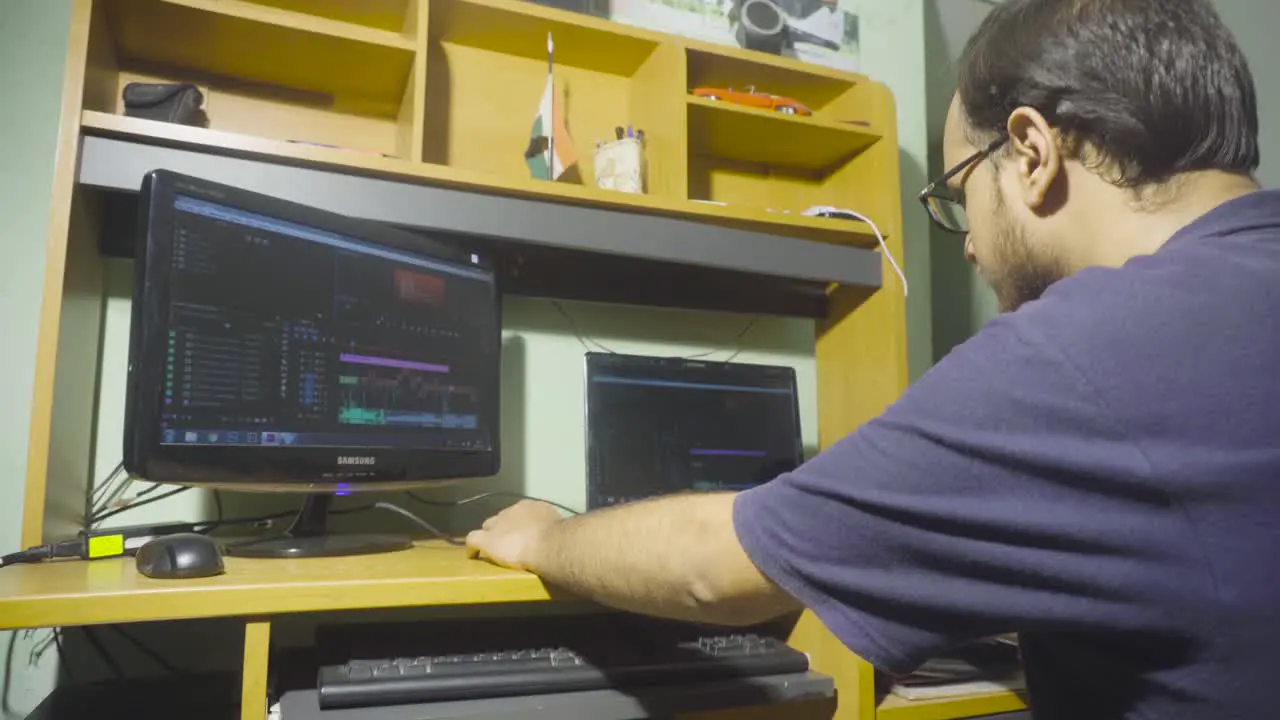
(1219, 269)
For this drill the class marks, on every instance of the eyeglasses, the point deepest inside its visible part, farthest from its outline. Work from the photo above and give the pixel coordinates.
(945, 208)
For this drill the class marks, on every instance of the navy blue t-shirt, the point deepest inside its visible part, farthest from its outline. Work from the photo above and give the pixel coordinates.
(1098, 471)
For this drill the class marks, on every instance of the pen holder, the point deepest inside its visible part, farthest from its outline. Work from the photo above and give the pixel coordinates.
(619, 165)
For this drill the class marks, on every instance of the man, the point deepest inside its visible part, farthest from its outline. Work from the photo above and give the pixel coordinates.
(1099, 468)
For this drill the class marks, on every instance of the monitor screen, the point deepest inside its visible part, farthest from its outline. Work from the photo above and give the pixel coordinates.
(664, 425)
(296, 334)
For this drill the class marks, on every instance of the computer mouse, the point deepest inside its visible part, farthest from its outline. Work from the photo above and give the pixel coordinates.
(182, 555)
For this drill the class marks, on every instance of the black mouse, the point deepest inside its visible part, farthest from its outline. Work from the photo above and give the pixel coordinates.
(182, 555)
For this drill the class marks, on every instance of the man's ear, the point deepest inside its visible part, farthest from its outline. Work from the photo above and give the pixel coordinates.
(1037, 161)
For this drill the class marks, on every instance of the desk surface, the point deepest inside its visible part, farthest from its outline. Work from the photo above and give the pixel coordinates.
(109, 591)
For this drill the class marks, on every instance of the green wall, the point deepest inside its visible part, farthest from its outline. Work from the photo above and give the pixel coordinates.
(33, 47)
(1254, 23)
(892, 50)
(961, 302)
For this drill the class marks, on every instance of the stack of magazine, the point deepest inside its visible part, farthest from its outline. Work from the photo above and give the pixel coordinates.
(987, 666)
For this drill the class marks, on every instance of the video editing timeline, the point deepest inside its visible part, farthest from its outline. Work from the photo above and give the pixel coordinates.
(281, 334)
(660, 430)
(382, 391)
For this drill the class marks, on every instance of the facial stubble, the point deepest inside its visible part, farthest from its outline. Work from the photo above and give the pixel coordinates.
(1018, 271)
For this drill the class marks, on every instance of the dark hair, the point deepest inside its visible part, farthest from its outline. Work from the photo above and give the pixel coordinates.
(1146, 89)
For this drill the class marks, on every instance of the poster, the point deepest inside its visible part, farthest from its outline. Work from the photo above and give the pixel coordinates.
(816, 31)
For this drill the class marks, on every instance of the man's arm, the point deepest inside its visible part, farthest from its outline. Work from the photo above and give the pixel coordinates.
(676, 557)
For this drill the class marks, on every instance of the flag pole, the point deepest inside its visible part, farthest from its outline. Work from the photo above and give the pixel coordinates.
(551, 131)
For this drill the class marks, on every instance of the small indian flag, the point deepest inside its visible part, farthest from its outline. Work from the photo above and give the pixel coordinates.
(551, 150)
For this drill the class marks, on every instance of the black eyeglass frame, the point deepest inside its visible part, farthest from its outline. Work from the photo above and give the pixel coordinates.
(935, 188)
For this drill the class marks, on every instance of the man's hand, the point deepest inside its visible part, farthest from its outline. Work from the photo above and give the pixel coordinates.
(676, 557)
(511, 537)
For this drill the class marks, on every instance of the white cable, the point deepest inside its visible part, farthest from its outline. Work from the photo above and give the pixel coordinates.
(827, 209)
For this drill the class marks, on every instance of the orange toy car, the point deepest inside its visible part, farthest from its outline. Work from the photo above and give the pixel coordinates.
(752, 98)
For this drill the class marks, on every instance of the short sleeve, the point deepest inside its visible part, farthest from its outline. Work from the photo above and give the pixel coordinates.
(997, 495)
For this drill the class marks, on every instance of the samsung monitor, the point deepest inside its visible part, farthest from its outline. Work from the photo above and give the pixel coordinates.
(657, 426)
(277, 347)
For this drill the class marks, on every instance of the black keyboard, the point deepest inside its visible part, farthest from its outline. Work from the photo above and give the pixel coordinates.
(394, 681)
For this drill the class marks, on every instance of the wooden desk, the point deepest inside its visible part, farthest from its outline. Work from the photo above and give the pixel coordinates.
(433, 573)
(110, 591)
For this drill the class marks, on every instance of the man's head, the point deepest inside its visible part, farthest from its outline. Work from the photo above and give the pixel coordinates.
(1080, 116)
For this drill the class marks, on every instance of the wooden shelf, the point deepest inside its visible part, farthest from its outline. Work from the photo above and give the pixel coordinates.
(391, 15)
(823, 90)
(753, 135)
(830, 231)
(896, 708)
(519, 29)
(258, 44)
(112, 591)
(120, 166)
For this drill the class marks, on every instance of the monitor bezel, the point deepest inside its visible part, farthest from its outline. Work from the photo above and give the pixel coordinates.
(275, 468)
(597, 362)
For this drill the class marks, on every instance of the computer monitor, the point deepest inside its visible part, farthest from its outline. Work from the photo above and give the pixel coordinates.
(657, 426)
(276, 347)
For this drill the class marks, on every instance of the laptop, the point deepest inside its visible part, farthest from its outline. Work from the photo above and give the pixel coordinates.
(657, 426)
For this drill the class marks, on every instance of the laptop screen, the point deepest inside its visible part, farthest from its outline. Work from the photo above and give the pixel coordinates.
(657, 426)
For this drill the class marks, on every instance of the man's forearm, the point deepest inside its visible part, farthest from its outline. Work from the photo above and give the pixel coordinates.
(675, 557)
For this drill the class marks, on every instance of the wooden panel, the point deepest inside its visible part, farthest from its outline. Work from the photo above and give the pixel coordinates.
(392, 15)
(737, 132)
(250, 43)
(255, 672)
(112, 591)
(657, 102)
(861, 348)
(270, 13)
(520, 28)
(64, 174)
(75, 390)
(854, 677)
(101, 86)
(412, 118)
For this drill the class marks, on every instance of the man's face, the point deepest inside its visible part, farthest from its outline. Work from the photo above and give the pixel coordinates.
(1002, 241)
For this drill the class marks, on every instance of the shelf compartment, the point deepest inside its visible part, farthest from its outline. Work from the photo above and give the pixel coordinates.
(487, 71)
(736, 132)
(825, 91)
(264, 71)
(954, 708)
(764, 188)
(519, 28)
(397, 16)
(339, 61)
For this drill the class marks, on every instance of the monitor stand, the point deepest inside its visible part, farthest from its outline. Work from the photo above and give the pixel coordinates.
(308, 537)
